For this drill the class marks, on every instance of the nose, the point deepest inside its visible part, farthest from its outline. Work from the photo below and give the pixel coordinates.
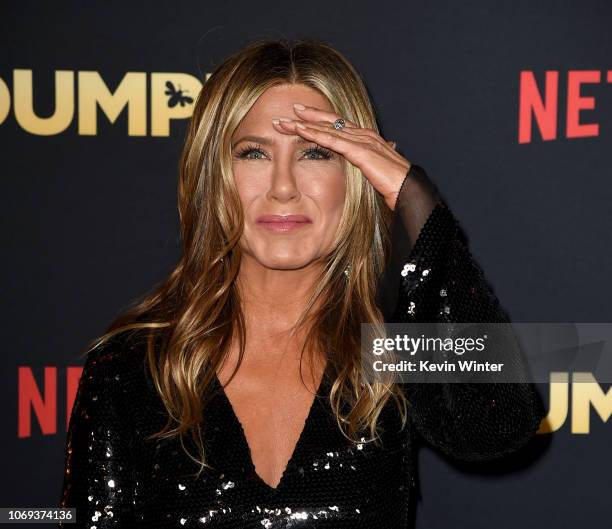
(283, 185)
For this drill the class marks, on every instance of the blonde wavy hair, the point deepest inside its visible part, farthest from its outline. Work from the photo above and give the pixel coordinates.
(192, 316)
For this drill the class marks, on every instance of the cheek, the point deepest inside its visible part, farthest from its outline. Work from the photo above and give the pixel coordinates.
(328, 194)
(248, 188)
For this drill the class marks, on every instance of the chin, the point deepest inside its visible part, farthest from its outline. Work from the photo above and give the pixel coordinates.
(283, 255)
(283, 262)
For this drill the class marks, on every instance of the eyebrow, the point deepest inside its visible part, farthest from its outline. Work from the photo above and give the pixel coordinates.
(267, 141)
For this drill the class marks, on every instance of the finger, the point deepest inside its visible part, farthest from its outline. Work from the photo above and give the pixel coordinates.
(316, 114)
(364, 131)
(389, 146)
(325, 118)
(289, 127)
(354, 149)
(370, 139)
(375, 136)
(371, 133)
(313, 114)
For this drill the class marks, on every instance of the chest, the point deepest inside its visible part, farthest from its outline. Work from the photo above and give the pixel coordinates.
(326, 476)
(270, 408)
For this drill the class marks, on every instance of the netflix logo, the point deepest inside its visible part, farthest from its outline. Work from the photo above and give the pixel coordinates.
(38, 402)
(540, 105)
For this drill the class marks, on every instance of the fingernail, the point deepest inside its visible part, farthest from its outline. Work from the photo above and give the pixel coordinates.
(285, 119)
(297, 106)
(299, 125)
(276, 121)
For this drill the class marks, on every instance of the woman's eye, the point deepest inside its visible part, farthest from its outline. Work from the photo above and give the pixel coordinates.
(256, 153)
(246, 154)
(318, 154)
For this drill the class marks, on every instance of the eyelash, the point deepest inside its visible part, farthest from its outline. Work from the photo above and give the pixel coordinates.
(242, 154)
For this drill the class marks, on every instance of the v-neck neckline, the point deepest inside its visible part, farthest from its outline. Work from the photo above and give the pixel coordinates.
(298, 445)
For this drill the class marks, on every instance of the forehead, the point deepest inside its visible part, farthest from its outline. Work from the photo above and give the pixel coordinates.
(277, 101)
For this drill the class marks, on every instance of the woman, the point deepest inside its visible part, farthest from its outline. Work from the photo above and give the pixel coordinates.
(234, 395)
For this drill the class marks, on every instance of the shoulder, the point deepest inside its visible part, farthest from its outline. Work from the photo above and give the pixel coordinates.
(115, 385)
(119, 360)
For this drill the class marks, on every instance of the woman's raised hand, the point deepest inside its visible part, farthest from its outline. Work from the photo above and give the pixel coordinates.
(364, 148)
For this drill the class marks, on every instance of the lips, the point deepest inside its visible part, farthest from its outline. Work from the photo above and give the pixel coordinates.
(283, 223)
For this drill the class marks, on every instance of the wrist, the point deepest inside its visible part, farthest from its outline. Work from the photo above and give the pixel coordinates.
(393, 202)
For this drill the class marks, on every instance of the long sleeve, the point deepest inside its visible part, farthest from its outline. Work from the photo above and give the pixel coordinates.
(437, 280)
(98, 469)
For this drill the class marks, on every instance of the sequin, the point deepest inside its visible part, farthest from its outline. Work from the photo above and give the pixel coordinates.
(408, 267)
(116, 476)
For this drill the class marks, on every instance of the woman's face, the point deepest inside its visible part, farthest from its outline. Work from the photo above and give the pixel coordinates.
(279, 174)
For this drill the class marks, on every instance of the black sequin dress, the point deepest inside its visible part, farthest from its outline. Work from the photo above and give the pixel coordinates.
(116, 478)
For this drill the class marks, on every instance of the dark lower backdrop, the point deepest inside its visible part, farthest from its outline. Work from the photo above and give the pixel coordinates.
(88, 200)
